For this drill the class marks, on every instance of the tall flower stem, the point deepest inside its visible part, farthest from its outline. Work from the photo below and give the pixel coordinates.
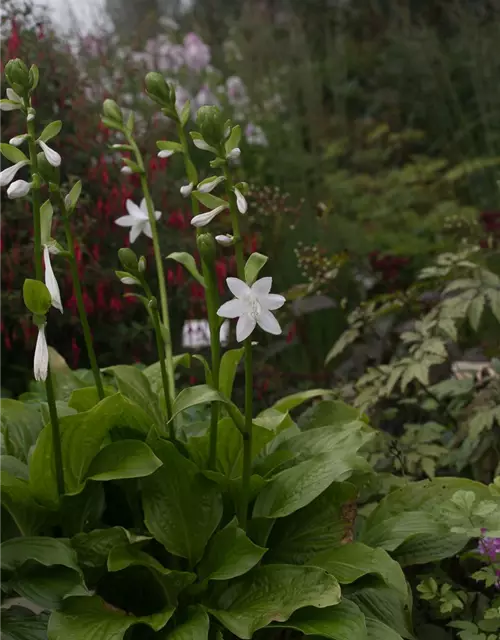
(166, 333)
(212, 302)
(54, 420)
(79, 298)
(247, 434)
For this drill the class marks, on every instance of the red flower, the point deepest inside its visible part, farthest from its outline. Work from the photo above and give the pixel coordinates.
(75, 352)
(292, 332)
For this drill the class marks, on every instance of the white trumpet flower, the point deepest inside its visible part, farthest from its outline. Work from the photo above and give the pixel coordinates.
(209, 185)
(52, 156)
(225, 240)
(137, 220)
(186, 190)
(41, 360)
(241, 202)
(7, 175)
(51, 282)
(19, 189)
(203, 219)
(14, 101)
(252, 306)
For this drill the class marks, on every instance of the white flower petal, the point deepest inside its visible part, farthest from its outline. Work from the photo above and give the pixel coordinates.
(135, 232)
(234, 154)
(241, 203)
(146, 230)
(51, 282)
(244, 327)
(52, 156)
(203, 219)
(127, 280)
(31, 116)
(9, 106)
(272, 301)
(135, 211)
(18, 189)
(157, 215)
(7, 175)
(224, 240)
(126, 221)
(232, 309)
(17, 141)
(41, 360)
(143, 206)
(237, 287)
(186, 190)
(268, 322)
(12, 95)
(127, 170)
(262, 286)
(166, 153)
(207, 187)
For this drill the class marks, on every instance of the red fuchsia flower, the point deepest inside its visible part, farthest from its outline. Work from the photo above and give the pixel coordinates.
(177, 220)
(14, 41)
(196, 291)
(170, 278)
(75, 353)
(116, 304)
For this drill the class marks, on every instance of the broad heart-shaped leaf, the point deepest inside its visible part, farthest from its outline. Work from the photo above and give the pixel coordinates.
(296, 487)
(87, 397)
(377, 630)
(153, 371)
(123, 459)
(351, 561)
(94, 547)
(43, 550)
(82, 436)
(134, 385)
(81, 618)
(83, 511)
(182, 508)
(323, 524)
(229, 554)
(47, 587)
(14, 467)
(189, 263)
(228, 366)
(271, 594)
(327, 412)
(19, 623)
(21, 424)
(192, 396)
(193, 625)
(344, 621)
(17, 499)
(295, 399)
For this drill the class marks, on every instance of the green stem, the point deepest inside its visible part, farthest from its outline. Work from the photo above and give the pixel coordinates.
(247, 435)
(79, 299)
(54, 420)
(166, 334)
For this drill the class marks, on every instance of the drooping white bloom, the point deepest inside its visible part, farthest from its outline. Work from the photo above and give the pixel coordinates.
(128, 280)
(166, 153)
(252, 306)
(207, 186)
(241, 202)
(7, 175)
(41, 360)
(203, 219)
(17, 141)
(13, 96)
(234, 154)
(224, 240)
(19, 189)
(16, 101)
(186, 190)
(127, 170)
(52, 156)
(137, 220)
(50, 281)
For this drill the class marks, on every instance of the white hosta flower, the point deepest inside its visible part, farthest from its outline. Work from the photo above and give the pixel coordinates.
(50, 280)
(241, 202)
(126, 170)
(16, 101)
(252, 306)
(166, 153)
(13, 96)
(7, 175)
(129, 280)
(41, 360)
(17, 141)
(203, 219)
(234, 154)
(137, 220)
(224, 240)
(186, 190)
(52, 156)
(207, 186)
(19, 189)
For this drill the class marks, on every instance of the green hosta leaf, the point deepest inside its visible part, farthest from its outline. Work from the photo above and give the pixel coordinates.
(377, 630)
(229, 554)
(123, 459)
(385, 605)
(42, 550)
(81, 618)
(204, 394)
(47, 587)
(86, 398)
(272, 594)
(153, 372)
(82, 436)
(83, 511)
(323, 524)
(51, 130)
(228, 366)
(94, 547)
(134, 385)
(181, 507)
(295, 399)
(344, 621)
(21, 424)
(17, 499)
(193, 625)
(189, 263)
(12, 153)
(253, 266)
(19, 623)
(424, 548)
(14, 467)
(350, 562)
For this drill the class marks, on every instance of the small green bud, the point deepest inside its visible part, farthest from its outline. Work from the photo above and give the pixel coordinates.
(142, 264)
(153, 303)
(210, 122)
(112, 110)
(34, 77)
(18, 77)
(206, 247)
(36, 297)
(159, 91)
(128, 259)
(49, 173)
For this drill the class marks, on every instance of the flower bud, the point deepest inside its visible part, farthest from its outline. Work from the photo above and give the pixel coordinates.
(206, 247)
(142, 264)
(128, 259)
(17, 75)
(112, 110)
(158, 89)
(210, 122)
